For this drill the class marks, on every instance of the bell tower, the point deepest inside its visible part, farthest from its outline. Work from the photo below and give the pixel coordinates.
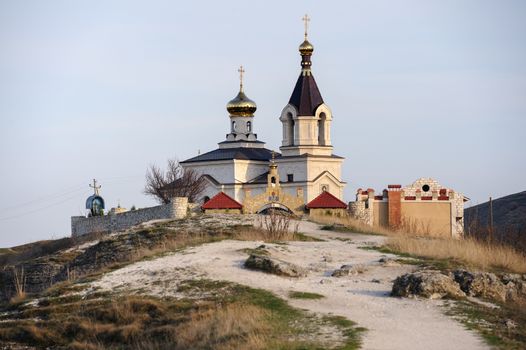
(306, 119)
(307, 164)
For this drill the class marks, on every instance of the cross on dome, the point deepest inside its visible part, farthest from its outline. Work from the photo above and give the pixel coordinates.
(306, 20)
(95, 187)
(241, 72)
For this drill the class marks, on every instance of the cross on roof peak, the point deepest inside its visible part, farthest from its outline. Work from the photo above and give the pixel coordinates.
(306, 20)
(241, 71)
(95, 187)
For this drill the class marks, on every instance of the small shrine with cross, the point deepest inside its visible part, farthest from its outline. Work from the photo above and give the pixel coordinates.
(95, 203)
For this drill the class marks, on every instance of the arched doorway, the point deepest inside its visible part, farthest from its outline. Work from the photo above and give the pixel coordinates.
(274, 206)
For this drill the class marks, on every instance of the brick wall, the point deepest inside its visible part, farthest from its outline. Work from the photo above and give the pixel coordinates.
(395, 208)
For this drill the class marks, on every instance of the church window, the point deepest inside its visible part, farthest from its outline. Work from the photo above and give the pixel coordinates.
(233, 126)
(290, 177)
(321, 129)
(325, 188)
(290, 129)
(425, 188)
(249, 126)
(273, 180)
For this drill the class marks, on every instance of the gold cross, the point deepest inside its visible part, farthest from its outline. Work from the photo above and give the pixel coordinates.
(306, 20)
(241, 71)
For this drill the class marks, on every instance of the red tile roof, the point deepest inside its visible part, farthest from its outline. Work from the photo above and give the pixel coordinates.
(326, 200)
(222, 201)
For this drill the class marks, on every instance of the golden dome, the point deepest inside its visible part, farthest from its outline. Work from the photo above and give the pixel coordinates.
(306, 48)
(241, 106)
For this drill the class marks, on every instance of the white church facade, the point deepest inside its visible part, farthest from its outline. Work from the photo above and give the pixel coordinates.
(258, 178)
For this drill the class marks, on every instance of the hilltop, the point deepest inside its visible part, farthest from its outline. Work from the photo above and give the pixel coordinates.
(509, 218)
(187, 284)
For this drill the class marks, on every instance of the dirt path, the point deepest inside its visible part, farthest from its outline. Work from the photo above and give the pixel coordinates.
(392, 323)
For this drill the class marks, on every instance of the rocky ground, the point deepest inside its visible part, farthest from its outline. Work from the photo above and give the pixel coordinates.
(361, 295)
(332, 275)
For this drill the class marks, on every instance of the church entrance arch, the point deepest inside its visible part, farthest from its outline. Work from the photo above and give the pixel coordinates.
(274, 206)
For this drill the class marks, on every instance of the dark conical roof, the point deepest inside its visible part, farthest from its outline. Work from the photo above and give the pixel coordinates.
(306, 96)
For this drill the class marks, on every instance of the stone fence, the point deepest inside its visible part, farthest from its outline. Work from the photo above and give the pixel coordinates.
(81, 225)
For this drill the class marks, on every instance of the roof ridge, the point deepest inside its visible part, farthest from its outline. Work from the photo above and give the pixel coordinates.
(321, 202)
(222, 201)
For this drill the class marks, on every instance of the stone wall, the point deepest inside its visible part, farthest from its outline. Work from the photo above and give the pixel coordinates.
(81, 225)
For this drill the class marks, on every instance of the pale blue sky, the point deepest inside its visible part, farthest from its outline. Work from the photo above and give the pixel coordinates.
(105, 88)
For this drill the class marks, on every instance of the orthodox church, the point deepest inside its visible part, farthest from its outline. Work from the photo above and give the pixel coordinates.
(244, 174)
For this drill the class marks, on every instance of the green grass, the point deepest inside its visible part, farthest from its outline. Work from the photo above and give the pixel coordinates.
(490, 322)
(337, 228)
(347, 240)
(422, 261)
(305, 295)
(350, 229)
(298, 236)
(350, 330)
(261, 250)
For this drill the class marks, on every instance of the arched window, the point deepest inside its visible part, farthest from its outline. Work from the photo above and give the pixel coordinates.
(273, 181)
(321, 129)
(233, 126)
(249, 127)
(290, 129)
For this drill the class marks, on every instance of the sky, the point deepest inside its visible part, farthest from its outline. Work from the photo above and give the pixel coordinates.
(103, 89)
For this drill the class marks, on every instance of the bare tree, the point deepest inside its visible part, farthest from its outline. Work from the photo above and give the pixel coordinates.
(174, 182)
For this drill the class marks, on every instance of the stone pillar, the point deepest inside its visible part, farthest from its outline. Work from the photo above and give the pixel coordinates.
(179, 207)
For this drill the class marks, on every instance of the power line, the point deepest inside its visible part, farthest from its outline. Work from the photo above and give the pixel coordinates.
(66, 191)
(77, 189)
(39, 209)
(48, 197)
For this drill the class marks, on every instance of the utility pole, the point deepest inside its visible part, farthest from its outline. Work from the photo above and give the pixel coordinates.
(490, 218)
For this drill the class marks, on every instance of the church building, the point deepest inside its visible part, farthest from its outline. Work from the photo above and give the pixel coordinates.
(243, 170)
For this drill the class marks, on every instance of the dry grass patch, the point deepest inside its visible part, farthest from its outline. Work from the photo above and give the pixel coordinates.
(305, 295)
(473, 253)
(236, 318)
(228, 327)
(469, 251)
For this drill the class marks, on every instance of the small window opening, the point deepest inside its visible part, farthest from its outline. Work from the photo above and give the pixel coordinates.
(425, 188)
(233, 126)
(290, 177)
(249, 126)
